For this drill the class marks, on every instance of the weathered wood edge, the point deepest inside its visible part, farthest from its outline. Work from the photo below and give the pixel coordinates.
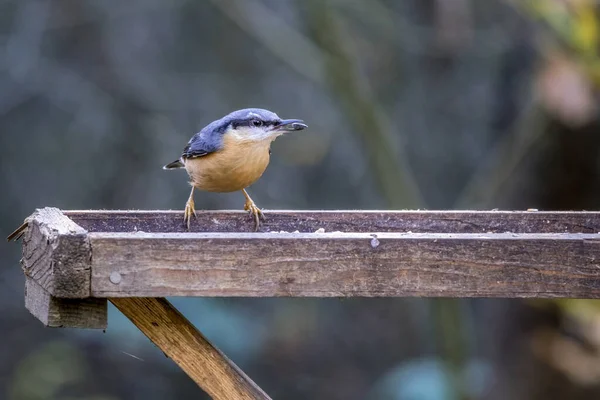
(57, 266)
(168, 329)
(53, 312)
(57, 254)
(346, 264)
(418, 221)
(258, 236)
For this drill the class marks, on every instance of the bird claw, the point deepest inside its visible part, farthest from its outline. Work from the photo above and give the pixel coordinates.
(256, 213)
(188, 212)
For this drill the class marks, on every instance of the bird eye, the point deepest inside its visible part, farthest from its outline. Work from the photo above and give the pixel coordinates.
(257, 123)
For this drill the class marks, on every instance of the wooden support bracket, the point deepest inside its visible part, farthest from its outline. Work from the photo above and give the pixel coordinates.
(55, 312)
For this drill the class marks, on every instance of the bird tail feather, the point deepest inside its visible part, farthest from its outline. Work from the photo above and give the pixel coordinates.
(175, 164)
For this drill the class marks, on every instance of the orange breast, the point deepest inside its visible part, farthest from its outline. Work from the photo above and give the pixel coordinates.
(238, 165)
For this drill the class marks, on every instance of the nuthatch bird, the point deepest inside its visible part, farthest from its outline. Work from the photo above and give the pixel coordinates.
(231, 153)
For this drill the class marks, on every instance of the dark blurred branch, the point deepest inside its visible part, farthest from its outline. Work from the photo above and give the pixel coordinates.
(391, 171)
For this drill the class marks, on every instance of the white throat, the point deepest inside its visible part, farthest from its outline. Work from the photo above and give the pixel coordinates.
(254, 134)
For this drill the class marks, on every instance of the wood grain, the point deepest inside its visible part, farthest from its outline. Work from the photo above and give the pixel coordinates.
(346, 264)
(53, 312)
(57, 254)
(184, 344)
(344, 221)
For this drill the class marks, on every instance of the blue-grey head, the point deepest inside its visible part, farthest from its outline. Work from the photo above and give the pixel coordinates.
(255, 124)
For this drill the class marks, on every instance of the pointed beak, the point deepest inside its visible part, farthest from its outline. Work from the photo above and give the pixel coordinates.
(289, 125)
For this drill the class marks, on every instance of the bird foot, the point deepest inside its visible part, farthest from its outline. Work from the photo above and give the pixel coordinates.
(189, 212)
(255, 212)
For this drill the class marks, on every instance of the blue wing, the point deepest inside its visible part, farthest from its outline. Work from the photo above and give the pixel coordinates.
(199, 145)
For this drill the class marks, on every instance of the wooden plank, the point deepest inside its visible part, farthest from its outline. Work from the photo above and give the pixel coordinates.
(344, 221)
(184, 344)
(90, 313)
(57, 254)
(346, 264)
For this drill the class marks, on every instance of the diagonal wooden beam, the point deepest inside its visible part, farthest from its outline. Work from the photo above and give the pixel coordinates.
(168, 329)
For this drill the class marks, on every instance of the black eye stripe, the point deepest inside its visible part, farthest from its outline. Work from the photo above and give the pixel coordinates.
(251, 123)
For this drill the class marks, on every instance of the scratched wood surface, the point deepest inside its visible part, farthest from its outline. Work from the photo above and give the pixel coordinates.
(346, 264)
(344, 221)
(186, 346)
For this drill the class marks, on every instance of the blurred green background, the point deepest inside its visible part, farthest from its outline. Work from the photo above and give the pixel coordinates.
(438, 104)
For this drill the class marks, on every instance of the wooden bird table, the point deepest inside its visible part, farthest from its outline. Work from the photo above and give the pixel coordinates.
(76, 261)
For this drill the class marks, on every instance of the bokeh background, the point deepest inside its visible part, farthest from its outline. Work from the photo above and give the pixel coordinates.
(439, 104)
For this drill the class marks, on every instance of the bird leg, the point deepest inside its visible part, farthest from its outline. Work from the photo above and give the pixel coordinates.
(253, 210)
(189, 210)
